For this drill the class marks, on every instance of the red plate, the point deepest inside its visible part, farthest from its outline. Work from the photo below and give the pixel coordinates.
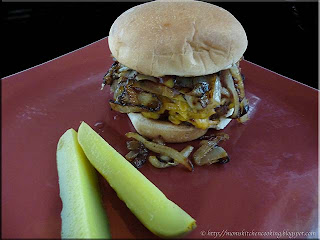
(269, 186)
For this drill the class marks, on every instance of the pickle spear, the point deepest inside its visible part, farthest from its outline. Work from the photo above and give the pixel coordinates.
(155, 211)
(83, 215)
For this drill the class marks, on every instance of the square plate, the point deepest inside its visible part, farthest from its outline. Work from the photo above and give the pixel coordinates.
(270, 184)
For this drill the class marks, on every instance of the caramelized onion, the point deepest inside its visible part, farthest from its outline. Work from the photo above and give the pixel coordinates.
(145, 98)
(202, 152)
(228, 82)
(193, 102)
(165, 158)
(155, 88)
(159, 140)
(184, 82)
(215, 138)
(216, 94)
(225, 92)
(201, 96)
(223, 122)
(131, 74)
(235, 72)
(133, 145)
(243, 118)
(138, 154)
(159, 164)
(131, 155)
(166, 163)
(126, 108)
(229, 112)
(108, 78)
(201, 79)
(139, 160)
(129, 95)
(185, 152)
(149, 100)
(123, 69)
(214, 155)
(244, 107)
(209, 152)
(200, 89)
(140, 77)
(164, 150)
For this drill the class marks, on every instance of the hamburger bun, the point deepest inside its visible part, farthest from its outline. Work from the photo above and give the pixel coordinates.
(183, 38)
(169, 132)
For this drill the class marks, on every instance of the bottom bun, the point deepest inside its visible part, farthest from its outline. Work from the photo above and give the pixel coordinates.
(170, 132)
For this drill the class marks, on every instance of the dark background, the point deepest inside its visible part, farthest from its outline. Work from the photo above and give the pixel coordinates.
(283, 36)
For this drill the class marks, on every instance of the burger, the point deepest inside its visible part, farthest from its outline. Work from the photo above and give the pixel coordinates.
(176, 68)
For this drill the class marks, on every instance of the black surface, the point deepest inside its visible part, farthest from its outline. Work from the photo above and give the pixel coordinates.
(283, 37)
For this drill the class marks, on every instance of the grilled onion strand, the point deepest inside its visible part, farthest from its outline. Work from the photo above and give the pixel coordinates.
(164, 150)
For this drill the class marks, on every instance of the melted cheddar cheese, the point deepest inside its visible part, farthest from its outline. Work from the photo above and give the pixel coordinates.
(179, 111)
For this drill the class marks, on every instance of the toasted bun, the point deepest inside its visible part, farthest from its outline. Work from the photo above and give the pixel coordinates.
(169, 132)
(183, 38)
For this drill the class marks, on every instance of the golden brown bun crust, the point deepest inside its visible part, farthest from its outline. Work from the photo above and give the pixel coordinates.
(169, 132)
(183, 38)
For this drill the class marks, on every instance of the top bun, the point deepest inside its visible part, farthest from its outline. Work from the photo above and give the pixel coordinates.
(183, 38)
